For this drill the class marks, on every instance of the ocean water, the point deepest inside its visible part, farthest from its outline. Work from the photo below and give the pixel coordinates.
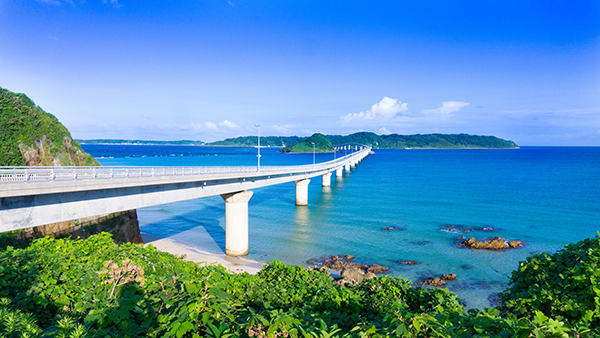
(545, 196)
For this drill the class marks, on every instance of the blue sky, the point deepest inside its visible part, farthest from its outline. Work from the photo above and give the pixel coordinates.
(528, 71)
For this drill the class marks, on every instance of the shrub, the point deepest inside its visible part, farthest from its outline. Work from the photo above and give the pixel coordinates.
(564, 285)
(93, 287)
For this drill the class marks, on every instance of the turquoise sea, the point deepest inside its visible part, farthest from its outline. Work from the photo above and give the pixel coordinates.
(545, 196)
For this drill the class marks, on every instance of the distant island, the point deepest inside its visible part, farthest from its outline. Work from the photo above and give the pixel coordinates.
(145, 142)
(326, 143)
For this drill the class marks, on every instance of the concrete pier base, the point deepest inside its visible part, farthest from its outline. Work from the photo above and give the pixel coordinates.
(236, 222)
(326, 180)
(339, 172)
(353, 164)
(347, 167)
(302, 192)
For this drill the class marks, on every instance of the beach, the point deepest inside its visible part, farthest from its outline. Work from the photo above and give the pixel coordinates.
(233, 264)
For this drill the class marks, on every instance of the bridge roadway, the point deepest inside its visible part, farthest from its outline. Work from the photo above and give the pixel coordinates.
(33, 196)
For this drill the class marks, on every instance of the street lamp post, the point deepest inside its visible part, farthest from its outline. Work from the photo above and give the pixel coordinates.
(258, 156)
(313, 154)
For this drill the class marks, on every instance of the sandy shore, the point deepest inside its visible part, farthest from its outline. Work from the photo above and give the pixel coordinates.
(233, 264)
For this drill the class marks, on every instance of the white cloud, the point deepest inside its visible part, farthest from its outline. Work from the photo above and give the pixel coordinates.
(209, 125)
(385, 109)
(383, 131)
(230, 125)
(285, 129)
(447, 108)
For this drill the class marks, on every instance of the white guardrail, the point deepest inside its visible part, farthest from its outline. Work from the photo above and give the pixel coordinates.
(51, 174)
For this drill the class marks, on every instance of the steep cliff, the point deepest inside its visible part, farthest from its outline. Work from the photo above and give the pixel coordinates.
(30, 136)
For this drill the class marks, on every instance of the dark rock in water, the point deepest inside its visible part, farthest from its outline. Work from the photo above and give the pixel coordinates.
(426, 274)
(499, 284)
(341, 265)
(393, 228)
(421, 242)
(455, 229)
(494, 300)
(435, 281)
(466, 267)
(329, 259)
(481, 284)
(353, 276)
(496, 243)
(450, 276)
(408, 262)
(376, 268)
(515, 244)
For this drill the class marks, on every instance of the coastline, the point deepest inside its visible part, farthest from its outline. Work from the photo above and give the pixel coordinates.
(193, 254)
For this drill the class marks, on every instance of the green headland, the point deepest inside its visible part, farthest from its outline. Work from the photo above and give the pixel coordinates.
(30, 136)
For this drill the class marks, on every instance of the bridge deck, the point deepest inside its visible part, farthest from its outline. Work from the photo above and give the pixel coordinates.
(31, 196)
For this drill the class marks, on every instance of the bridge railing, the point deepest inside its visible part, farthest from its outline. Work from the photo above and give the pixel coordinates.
(51, 174)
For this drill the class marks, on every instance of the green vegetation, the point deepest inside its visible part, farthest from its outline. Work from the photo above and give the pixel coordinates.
(393, 141)
(428, 141)
(321, 145)
(93, 287)
(252, 141)
(145, 142)
(564, 286)
(28, 130)
(326, 143)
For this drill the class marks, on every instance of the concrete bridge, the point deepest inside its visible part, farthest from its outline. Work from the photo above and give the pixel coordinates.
(33, 196)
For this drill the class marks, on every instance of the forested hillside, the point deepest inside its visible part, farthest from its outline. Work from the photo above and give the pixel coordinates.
(392, 141)
(321, 145)
(30, 136)
(251, 141)
(424, 141)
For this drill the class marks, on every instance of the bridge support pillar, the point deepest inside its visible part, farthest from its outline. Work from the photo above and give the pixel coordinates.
(326, 180)
(347, 167)
(236, 222)
(352, 164)
(302, 192)
(339, 172)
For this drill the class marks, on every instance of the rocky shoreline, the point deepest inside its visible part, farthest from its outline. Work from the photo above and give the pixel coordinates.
(351, 273)
(495, 243)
